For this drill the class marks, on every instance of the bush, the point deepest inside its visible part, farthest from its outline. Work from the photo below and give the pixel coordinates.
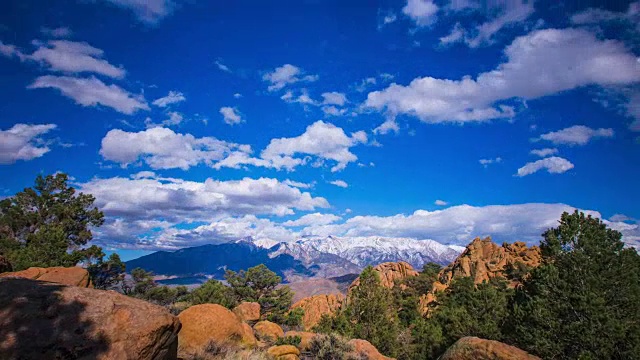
(289, 340)
(213, 292)
(329, 347)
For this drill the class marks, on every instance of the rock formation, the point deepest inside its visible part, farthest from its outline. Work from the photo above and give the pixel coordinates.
(248, 311)
(362, 349)
(5, 266)
(284, 352)
(483, 260)
(74, 276)
(390, 272)
(211, 324)
(473, 348)
(268, 331)
(43, 320)
(316, 306)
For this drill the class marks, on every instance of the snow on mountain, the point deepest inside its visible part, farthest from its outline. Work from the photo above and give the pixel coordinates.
(367, 250)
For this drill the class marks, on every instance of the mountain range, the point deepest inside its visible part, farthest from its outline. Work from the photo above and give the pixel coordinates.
(308, 257)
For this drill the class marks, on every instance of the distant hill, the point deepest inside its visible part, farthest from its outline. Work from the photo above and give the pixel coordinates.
(213, 260)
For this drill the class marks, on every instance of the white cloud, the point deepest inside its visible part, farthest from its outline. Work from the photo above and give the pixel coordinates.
(541, 63)
(147, 11)
(10, 51)
(172, 98)
(515, 12)
(576, 135)
(365, 83)
(460, 224)
(596, 16)
(339, 183)
(75, 57)
(237, 95)
(487, 162)
(441, 203)
(153, 212)
(422, 12)
(334, 98)
(23, 142)
(162, 148)
(333, 111)
(91, 92)
(303, 98)
(285, 75)
(553, 165)
(544, 152)
(456, 35)
(299, 184)
(313, 219)
(231, 116)
(59, 32)
(222, 66)
(324, 140)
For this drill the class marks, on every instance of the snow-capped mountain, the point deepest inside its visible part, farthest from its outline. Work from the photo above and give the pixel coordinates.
(363, 251)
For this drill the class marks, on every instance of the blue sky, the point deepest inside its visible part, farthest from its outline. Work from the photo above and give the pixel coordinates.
(199, 122)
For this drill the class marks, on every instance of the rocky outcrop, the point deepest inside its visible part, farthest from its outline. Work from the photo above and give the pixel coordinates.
(305, 338)
(483, 260)
(389, 273)
(211, 324)
(362, 349)
(268, 331)
(316, 306)
(284, 352)
(43, 320)
(248, 311)
(473, 348)
(74, 276)
(5, 266)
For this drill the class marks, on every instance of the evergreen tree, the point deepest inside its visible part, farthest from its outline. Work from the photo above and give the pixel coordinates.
(372, 312)
(213, 292)
(582, 303)
(47, 225)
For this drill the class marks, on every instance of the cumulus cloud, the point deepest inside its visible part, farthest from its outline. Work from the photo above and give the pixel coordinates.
(149, 12)
(70, 57)
(313, 220)
(544, 152)
(323, 140)
(149, 211)
(75, 57)
(553, 165)
(162, 148)
(422, 12)
(23, 142)
(173, 97)
(59, 32)
(231, 116)
(339, 183)
(576, 135)
(487, 162)
(538, 64)
(441, 203)
(285, 75)
(334, 98)
(92, 92)
(460, 224)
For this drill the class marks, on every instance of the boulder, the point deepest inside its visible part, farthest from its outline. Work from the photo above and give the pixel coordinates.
(316, 306)
(362, 349)
(43, 320)
(5, 266)
(284, 352)
(473, 348)
(248, 311)
(268, 331)
(389, 273)
(305, 338)
(74, 276)
(211, 324)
